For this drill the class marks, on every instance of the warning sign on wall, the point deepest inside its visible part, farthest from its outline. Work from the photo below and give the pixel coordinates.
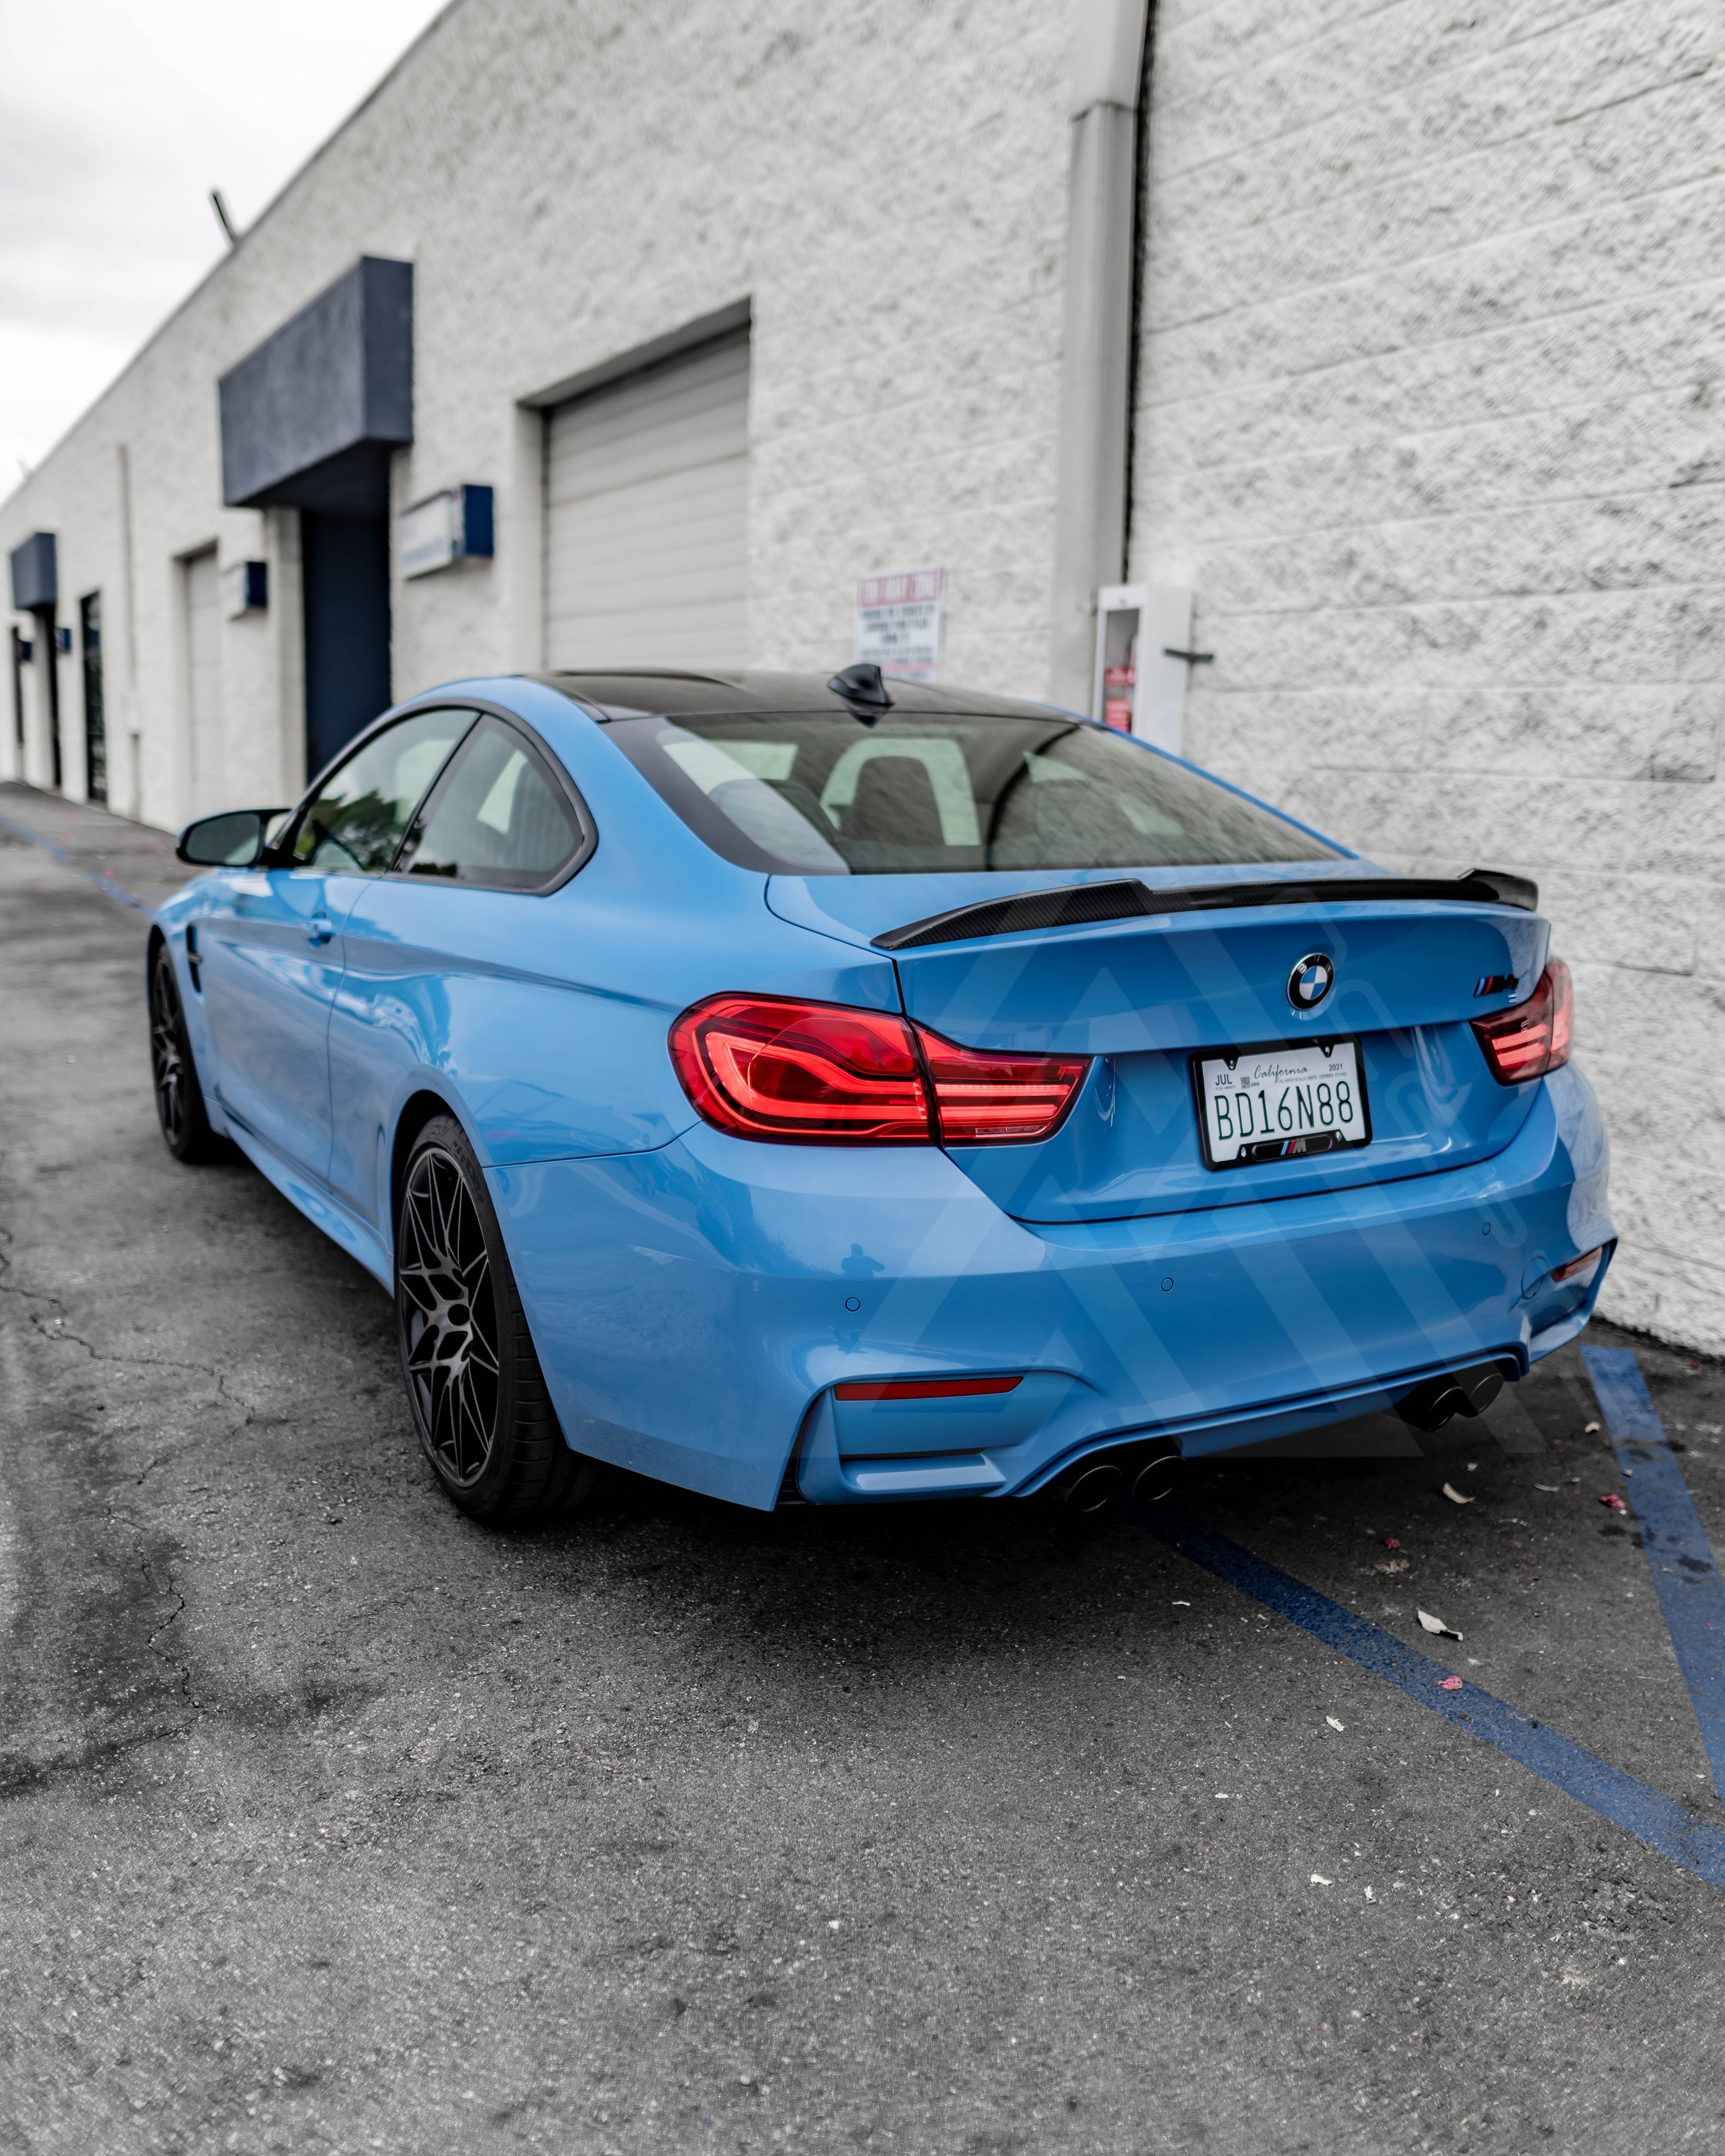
(898, 623)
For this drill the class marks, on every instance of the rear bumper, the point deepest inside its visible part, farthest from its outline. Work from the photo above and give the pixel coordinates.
(694, 1307)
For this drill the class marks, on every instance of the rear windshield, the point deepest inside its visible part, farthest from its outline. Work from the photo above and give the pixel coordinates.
(828, 794)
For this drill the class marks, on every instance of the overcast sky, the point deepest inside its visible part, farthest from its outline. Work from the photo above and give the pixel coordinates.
(116, 118)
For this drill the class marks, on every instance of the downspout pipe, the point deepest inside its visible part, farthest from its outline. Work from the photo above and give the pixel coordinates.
(1095, 363)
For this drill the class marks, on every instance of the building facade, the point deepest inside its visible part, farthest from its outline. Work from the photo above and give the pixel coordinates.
(1378, 342)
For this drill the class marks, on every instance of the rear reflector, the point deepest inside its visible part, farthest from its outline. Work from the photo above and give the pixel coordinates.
(826, 1074)
(925, 1389)
(1587, 1262)
(1530, 1038)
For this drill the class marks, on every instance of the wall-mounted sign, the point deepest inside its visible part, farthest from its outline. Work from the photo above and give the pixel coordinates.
(898, 623)
(246, 589)
(455, 526)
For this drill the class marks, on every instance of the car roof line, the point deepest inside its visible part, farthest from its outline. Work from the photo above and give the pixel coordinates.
(564, 684)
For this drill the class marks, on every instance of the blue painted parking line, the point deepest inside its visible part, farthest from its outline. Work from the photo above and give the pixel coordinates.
(1695, 1844)
(1691, 1595)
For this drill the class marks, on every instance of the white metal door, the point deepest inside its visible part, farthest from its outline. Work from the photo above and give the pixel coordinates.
(203, 684)
(646, 482)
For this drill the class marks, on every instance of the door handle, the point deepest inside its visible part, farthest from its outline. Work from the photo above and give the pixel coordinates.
(319, 929)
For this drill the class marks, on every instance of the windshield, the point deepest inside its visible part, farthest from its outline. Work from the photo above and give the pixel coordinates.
(828, 794)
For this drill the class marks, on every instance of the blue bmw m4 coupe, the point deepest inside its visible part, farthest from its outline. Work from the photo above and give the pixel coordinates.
(850, 1090)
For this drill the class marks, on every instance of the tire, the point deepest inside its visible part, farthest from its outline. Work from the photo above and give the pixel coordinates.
(477, 1394)
(173, 1073)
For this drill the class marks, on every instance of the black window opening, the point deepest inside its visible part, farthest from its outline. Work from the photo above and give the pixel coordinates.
(48, 657)
(95, 728)
(18, 695)
(826, 793)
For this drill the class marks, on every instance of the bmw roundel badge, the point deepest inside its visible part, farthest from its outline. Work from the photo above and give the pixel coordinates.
(1311, 981)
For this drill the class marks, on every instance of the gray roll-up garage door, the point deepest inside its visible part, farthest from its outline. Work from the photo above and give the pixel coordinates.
(646, 482)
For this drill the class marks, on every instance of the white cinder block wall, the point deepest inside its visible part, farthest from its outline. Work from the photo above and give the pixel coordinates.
(1430, 418)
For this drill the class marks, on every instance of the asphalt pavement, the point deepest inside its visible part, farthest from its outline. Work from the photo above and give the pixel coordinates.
(330, 1821)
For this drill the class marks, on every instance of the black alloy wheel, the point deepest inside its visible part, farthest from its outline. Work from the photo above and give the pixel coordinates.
(448, 1318)
(478, 1395)
(173, 1074)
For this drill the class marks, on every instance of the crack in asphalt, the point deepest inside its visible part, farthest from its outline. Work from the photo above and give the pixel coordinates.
(19, 1776)
(179, 1666)
(178, 1662)
(53, 1333)
(30, 1293)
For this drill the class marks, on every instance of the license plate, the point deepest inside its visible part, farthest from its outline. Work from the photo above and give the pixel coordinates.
(1281, 1103)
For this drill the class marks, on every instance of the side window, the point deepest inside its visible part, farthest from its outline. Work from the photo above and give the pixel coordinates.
(499, 819)
(362, 809)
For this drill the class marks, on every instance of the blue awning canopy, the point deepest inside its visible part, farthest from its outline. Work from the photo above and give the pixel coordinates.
(35, 573)
(309, 419)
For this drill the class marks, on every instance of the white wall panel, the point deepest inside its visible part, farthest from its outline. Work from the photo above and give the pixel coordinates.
(1428, 419)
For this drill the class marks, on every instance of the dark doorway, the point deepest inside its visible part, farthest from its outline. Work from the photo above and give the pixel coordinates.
(18, 697)
(344, 577)
(95, 728)
(48, 644)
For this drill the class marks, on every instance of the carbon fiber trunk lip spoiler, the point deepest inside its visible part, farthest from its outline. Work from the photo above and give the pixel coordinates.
(1072, 905)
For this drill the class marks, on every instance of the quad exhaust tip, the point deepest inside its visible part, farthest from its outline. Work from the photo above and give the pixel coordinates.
(1155, 1480)
(1147, 1475)
(1440, 1400)
(1093, 1487)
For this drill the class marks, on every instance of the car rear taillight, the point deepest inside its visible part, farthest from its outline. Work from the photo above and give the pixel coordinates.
(1580, 1269)
(1534, 1036)
(827, 1073)
(816, 1073)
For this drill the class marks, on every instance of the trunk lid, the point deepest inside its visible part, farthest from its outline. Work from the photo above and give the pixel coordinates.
(1142, 995)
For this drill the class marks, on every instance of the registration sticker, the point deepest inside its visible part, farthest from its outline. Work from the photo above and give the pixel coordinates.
(1281, 1103)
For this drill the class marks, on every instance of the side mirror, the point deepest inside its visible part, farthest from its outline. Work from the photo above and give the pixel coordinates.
(233, 841)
